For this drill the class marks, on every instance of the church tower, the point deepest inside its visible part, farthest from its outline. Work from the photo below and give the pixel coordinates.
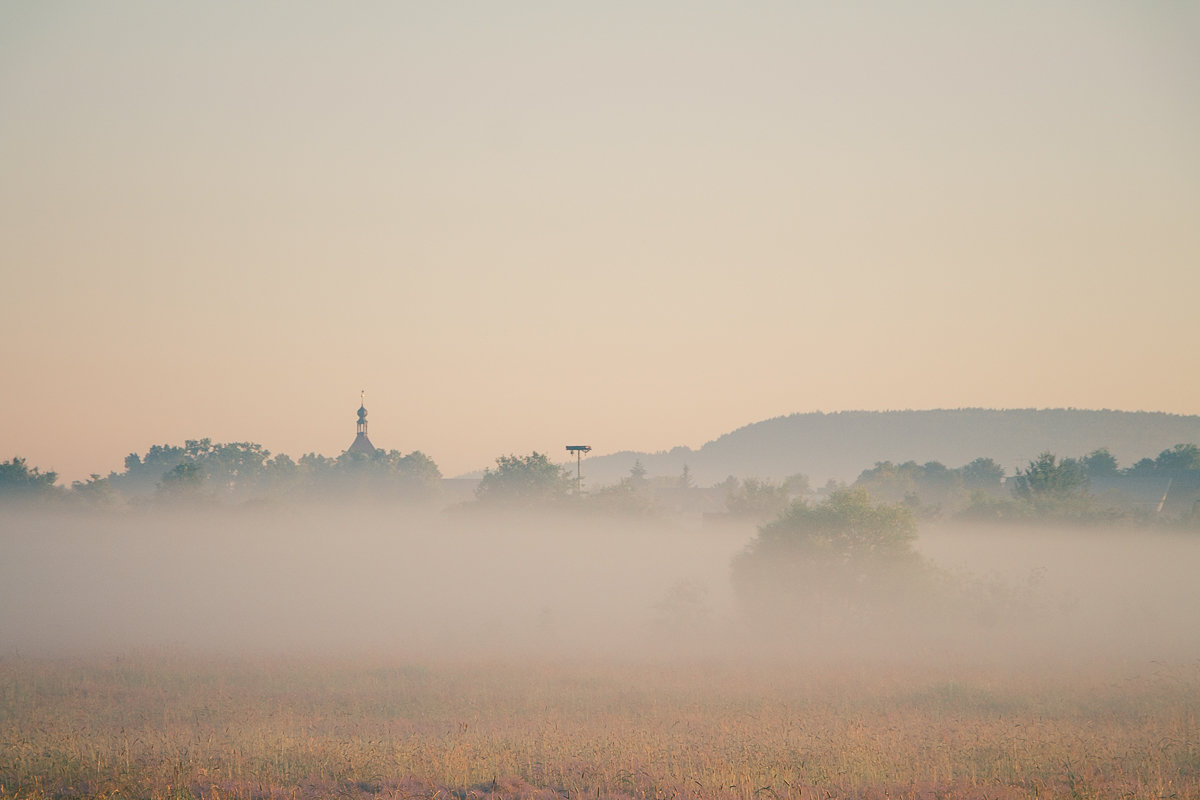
(361, 443)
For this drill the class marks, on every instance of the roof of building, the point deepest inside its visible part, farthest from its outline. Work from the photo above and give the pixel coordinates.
(361, 445)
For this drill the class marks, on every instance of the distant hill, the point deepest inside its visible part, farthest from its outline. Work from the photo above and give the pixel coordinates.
(841, 445)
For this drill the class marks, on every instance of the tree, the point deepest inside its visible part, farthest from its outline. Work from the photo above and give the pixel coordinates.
(1053, 489)
(890, 482)
(1142, 468)
(1048, 479)
(756, 499)
(280, 475)
(1049, 489)
(96, 492)
(524, 480)
(20, 481)
(846, 528)
(685, 478)
(627, 497)
(1100, 464)
(418, 466)
(246, 471)
(925, 488)
(186, 484)
(236, 467)
(846, 554)
(982, 473)
(1180, 458)
(797, 484)
(143, 474)
(386, 474)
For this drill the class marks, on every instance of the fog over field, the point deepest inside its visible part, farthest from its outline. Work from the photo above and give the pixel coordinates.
(346, 580)
(361, 581)
(1093, 593)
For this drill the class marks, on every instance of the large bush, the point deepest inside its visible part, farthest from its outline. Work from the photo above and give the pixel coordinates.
(843, 558)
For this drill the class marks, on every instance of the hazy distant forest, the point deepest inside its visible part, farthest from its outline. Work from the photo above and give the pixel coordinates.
(1162, 488)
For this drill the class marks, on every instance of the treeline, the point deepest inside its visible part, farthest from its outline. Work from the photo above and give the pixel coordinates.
(1086, 489)
(1089, 488)
(841, 444)
(205, 473)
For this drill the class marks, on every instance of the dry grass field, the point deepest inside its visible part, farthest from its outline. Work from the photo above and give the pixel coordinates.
(175, 726)
(261, 656)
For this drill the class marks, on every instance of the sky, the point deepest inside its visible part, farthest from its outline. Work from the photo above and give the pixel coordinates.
(524, 225)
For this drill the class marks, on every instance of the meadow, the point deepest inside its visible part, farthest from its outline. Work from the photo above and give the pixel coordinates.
(263, 656)
(176, 725)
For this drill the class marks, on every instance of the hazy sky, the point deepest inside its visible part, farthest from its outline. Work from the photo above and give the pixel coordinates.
(635, 225)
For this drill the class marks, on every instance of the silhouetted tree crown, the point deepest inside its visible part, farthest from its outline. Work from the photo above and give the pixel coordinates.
(1100, 464)
(846, 555)
(524, 480)
(19, 481)
(1048, 479)
(846, 528)
(203, 470)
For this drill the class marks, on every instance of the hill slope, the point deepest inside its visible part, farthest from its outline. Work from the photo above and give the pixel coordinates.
(840, 445)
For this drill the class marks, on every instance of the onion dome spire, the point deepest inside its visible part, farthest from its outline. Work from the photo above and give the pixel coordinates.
(361, 443)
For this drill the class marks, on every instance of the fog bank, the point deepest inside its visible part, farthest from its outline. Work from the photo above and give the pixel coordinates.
(350, 581)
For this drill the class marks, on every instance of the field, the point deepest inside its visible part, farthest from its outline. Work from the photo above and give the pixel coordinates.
(266, 656)
(175, 726)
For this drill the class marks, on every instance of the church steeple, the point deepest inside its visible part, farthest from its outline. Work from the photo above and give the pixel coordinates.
(361, 443)
(362, 412)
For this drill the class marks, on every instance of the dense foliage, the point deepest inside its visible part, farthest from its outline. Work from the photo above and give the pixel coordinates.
(21, 482)
(761, 499)
(1088, 489)
(202, 472)
(843, 559)
(524, 481)
(929, 489)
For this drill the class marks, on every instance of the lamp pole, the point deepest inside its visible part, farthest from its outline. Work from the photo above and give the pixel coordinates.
(578, 450)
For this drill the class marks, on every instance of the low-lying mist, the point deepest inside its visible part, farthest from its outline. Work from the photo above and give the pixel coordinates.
(348, 580)
(1077, 593)
(358, 581)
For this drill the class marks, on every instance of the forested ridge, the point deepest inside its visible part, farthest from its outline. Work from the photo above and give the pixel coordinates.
(840, 445)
